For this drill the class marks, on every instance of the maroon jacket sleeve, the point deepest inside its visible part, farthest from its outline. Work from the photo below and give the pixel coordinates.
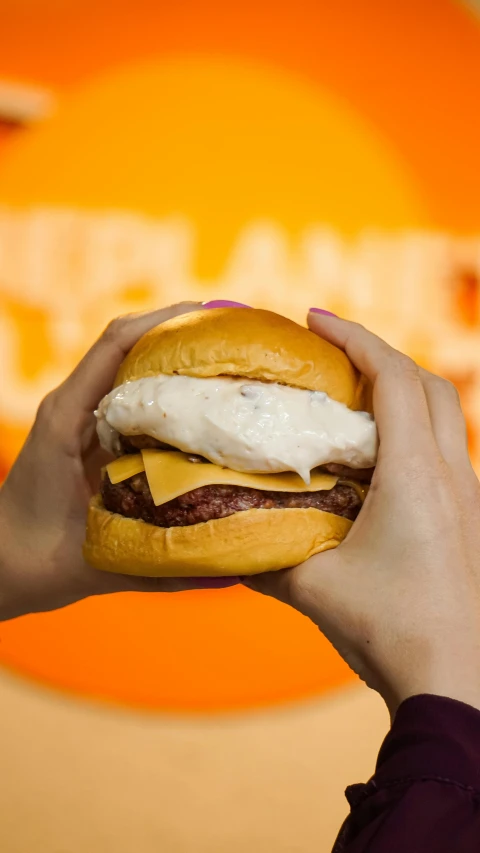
(425, 794)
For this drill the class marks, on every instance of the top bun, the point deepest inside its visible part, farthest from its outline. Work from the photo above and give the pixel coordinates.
(244, 342)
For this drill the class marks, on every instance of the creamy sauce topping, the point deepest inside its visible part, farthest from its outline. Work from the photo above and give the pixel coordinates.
(241, 424)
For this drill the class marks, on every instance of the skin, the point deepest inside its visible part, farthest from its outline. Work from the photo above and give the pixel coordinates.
(399, 598)
(43, 503)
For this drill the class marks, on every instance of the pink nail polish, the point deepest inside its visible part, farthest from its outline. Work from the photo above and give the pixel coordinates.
(224, 303)
(321, 311)
(216, 583)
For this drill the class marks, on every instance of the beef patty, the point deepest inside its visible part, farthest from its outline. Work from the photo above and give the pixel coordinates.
(132, 498)
(134, 443)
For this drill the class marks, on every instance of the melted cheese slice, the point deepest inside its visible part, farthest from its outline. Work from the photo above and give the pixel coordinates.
(125, 467)
(170, 474)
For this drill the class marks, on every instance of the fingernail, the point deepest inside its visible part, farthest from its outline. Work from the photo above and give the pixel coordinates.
(224, 303)
(216, 583)
(321, 311)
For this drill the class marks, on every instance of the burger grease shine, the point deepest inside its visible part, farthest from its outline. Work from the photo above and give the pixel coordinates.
(245, 425)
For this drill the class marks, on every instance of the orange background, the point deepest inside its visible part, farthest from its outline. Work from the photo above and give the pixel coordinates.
(411, 70)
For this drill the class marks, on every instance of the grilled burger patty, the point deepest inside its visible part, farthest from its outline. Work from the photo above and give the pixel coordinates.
(132, 498)
(134, 443)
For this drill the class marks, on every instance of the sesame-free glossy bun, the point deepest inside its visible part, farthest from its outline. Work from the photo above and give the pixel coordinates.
(244, 342)
(246, 543)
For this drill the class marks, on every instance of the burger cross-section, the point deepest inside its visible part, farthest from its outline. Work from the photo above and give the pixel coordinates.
(244, 444)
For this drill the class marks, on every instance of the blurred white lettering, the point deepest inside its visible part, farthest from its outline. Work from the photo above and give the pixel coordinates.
(418, 290)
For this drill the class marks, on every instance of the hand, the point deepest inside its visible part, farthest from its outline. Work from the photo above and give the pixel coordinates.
(400, 597)
(43, 503)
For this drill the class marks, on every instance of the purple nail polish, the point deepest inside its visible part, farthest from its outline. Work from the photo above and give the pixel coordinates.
(216, 583)
(224, 303)
(321, 311)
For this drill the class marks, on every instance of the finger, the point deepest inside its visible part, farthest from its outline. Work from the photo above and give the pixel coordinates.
(401, 410)
(95, 374)
(93, 462)
(104, 583)
(448, 421)
(69, 408)
(450, 431)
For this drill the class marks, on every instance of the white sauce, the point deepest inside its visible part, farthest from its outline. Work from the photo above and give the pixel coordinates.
(244, 425)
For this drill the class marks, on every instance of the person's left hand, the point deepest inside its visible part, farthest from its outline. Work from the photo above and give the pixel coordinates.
(43, 503)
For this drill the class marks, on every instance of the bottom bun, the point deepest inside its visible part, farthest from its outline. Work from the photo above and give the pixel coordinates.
(246, 543)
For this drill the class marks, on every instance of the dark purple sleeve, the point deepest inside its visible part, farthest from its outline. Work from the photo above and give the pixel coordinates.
(425, 794)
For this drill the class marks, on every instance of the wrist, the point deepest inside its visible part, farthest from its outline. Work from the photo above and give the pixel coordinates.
(468, 694)
(13, 587)
(453, 673)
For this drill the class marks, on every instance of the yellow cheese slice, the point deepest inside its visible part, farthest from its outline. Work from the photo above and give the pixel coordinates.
(125, 467)
(170, 474)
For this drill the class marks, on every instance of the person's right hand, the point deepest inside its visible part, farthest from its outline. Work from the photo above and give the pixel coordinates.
(400, 597)
(43, 502)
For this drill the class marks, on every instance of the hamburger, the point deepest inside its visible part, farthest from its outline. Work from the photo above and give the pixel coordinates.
(243, 444)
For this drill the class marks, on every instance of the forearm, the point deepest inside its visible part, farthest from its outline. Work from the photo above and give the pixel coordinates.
(7, 607)
(425, 794)
(17, 558)
(10, 599)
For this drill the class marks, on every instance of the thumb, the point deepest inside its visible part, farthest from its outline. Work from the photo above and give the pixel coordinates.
(279, 585)
(311, 588)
